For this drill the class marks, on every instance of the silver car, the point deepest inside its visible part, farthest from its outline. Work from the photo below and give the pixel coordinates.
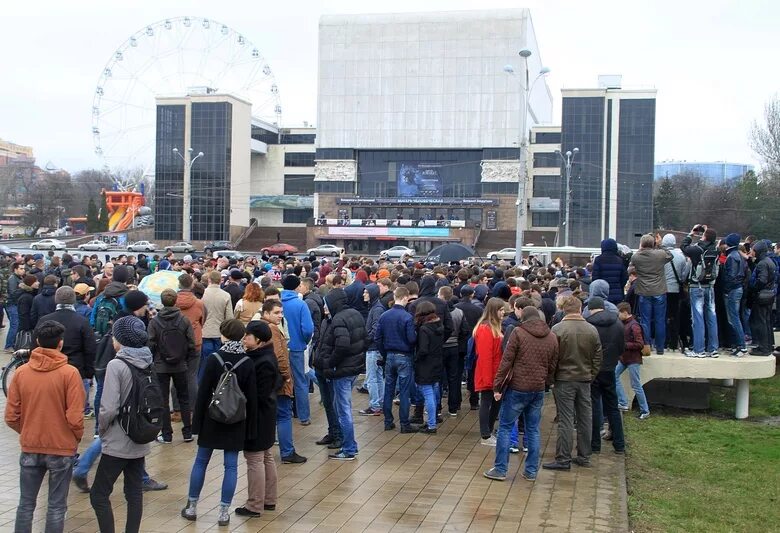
(183, 247)
(397, 252)
(48, 244)
(326, 249)
(98, 246)
(507, 254)
(141, 246)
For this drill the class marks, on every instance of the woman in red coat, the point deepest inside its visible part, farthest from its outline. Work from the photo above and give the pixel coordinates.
(487, 343)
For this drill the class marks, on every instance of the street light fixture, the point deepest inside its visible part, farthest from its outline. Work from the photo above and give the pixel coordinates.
(522, 190)
(567, 160)
(188, 162)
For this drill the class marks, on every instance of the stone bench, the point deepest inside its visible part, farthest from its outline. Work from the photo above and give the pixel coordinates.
(673, 365)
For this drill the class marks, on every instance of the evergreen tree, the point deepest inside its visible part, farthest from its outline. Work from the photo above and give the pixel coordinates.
(103, 218)
(92, 216)
(666, 206)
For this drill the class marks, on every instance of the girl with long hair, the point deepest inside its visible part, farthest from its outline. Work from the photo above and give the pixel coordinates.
(487, 344)
(429, 359)
(250, 303)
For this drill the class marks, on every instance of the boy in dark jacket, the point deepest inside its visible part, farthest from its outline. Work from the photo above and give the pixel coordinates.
(25, 295)
(375, 380)
(43, 303)
(172, 342)
(428, 359)
(341, 357)
(631, 360)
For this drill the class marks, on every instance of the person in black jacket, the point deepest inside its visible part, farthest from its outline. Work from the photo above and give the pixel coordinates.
(602, 389)
(260, 466)
(761, 296)
(25, 294)
(43, 303)
(172, 342)
(471, 314)
(611, 267)
(213, 435)
(428, 357)
(342, 356)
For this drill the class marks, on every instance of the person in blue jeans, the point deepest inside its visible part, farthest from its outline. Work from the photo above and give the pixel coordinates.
(341, 357)
(375, 380)
(85, 461)
(11, 309)
(395, 339)
(429, 360)
(735, 270)
(650, 265)
(704, 271)
(300, 328)
(631, 360)
(527, 366)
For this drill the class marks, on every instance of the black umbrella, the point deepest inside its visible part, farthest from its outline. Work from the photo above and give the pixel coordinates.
(447, 253)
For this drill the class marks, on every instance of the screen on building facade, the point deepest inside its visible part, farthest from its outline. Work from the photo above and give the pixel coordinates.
(419, 179)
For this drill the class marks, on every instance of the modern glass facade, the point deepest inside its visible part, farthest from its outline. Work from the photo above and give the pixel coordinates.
(300, 184)
(714, 172)
(299, 159)
(211, 175)
(169, 173)
(548, 186)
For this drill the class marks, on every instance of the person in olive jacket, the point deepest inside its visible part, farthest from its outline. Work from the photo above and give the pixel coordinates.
(341, 358)
(260, 465)
(213, 435)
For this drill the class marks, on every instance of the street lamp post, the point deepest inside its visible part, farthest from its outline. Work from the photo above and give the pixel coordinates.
(567, 198)
(522, 190)
(186, 227)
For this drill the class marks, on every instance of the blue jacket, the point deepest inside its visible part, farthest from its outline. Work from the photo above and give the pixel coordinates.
(300, 326)
(734, 271)
(395, 332)
(610, 267)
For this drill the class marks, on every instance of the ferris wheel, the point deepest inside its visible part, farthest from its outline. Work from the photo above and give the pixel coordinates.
(169, 58)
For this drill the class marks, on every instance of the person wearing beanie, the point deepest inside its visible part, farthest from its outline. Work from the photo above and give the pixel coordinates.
(121, 455)
(300, 328)
(43, 303)
(735, 271)
(172, 342)
(260, 465)
(213, 435)
(45, 402)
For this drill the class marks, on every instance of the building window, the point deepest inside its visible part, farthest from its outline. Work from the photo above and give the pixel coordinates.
(546, 137)
(334, 187)
(299, 159)
(545, 219)
(297, 138)
(547, 186)
(499, 188)
(169, 173)
(297, 216)
(302, 185)
(546, 160)
(335, 153)
(500, 153)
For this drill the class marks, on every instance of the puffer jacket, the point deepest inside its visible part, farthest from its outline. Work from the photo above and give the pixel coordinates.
(428, 294)
(612, 336)
(344, 339)
(193, 309)
(43, 303)
(610, 267)
(429, 355)
(317, 309)
(532, 354)
(24, 302)
(764, 275)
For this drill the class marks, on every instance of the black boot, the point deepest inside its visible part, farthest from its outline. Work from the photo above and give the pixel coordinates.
(417, 417)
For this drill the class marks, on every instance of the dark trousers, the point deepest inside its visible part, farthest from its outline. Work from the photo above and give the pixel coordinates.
(451, 373)
(180, 382)
(604, 402)
(326, 393)
(108, 471)
(488, 413)
(33, 468)
(761, 327)
(473, 395)
(673, 319)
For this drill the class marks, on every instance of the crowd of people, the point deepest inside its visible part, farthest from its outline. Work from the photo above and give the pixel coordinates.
(231, 356)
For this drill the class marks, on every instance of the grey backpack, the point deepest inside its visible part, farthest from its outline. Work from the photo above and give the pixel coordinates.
(228, 403)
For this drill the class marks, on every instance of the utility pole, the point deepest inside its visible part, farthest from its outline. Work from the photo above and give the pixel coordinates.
(186, 228)
(567, 160)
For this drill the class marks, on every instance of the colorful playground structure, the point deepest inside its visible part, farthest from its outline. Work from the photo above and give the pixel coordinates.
(123, 207)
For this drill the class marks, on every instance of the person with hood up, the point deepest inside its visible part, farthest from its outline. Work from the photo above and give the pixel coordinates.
(762, 287)
(121, 455)
(375, 380)
(610, 267)
(735, 271)
(677, 272)
(428, 360)
(43, 303)
(480, 293)
(527, 366)
(603, 393)
(354, 292)
(45, 406)
(501, 290)
(300, 328)
(600, 289)
(115, 290)
(25, 294)
(342, 357)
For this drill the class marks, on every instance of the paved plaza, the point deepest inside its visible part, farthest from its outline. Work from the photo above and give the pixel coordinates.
(398, 483)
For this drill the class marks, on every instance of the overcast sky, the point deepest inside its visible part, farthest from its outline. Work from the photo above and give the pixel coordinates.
(713, 63)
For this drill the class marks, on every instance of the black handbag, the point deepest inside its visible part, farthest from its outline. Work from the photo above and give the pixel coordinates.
(765, 297)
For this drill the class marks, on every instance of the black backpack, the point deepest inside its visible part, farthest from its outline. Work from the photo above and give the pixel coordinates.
(228, 403)
(141, 416)
(706, 270)
(104, 354)
(172, 344)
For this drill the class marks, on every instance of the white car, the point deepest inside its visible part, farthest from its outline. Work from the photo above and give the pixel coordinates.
(184, 247)
(48, 244)
(141, 246)
(99, 246)
(397, 252)
(326, 249)
(508, 254)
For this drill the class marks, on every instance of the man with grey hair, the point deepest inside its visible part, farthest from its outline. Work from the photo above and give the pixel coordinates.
(677, 271)
(650, 264)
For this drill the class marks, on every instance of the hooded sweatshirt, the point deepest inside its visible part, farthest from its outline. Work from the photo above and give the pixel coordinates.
(116, 290)
(116, 389)
(375, 310)
(46, 404)
(678, 260)
(600, 288)
(43, 303)
(428, 294)
(297, 316)
(612, 336)
(193, 309)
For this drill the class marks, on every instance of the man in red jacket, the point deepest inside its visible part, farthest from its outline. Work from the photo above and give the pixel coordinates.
(46, 407)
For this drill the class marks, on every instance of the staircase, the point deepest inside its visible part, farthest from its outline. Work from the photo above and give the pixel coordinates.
(266, 236)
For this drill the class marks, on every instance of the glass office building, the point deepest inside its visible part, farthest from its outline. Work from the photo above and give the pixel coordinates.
(714, 172)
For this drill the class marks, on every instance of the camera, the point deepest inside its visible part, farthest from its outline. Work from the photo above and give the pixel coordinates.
(698, 228)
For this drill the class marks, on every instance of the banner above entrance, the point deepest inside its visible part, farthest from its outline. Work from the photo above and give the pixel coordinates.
(417, 201)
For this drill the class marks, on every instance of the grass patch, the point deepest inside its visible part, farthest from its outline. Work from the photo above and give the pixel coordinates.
(703, 472)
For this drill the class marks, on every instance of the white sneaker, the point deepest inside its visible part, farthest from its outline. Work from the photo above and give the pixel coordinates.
(491, 441)
(714, 354)
(696, 355)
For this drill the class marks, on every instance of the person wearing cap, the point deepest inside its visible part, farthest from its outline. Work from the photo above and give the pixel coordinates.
(735, 271)
(82, 291)
(121, 455)
(603, 394)
(300, 328)
(218, 308)
(234, 287)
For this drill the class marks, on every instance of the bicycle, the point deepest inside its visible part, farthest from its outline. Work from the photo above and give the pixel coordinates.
(19, 358)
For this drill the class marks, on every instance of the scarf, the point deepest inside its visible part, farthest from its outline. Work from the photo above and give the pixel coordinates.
(66, 306)
(234, 347)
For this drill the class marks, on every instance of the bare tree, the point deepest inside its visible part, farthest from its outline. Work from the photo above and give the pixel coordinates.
(46, 199)
(765, 136)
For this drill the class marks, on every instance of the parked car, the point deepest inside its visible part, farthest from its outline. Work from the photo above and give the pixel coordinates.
(326, 249)
(508, 254)
(228, 254)
(183, 247)
(397, 252)
(99, 246)
(48, 244)
(217, 245)
(279, 248)
(141, 246)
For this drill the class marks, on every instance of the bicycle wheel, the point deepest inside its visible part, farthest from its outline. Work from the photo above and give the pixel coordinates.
(8, 373)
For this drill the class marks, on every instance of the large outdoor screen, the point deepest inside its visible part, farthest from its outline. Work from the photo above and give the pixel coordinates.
(419, 179)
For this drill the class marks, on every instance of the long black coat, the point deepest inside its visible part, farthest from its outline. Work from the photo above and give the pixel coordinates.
(268, 381)
(78, 341)
(43, 303)
(343, 341)
(24, 304)
(428, 358)
(212, 434)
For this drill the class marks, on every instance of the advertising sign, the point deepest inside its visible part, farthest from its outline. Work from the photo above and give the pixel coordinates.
(419, 180)
(113, 239)
(417, 201)
(492, 220)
